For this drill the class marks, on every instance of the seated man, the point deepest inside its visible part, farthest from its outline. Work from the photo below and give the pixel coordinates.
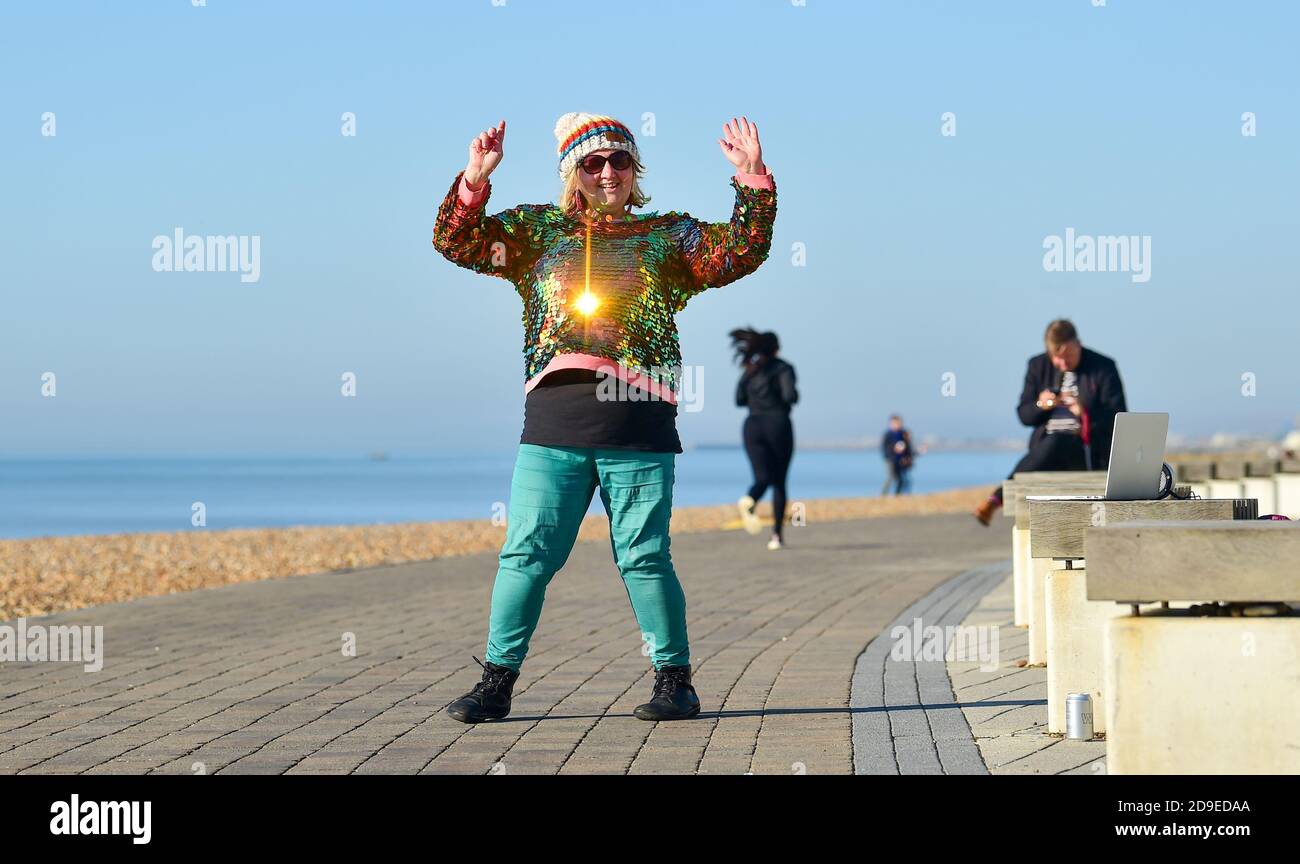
(1071, 396)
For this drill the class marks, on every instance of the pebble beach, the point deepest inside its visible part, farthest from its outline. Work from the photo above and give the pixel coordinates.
(43, 575)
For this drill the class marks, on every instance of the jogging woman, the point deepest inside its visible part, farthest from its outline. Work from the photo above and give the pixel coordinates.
(767, 388)
(599, 286)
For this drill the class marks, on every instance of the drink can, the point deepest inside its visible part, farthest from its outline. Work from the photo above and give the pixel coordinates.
(1078, 717)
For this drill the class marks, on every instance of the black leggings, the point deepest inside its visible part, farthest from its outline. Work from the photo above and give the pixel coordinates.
(769, 442)
(1051, 453)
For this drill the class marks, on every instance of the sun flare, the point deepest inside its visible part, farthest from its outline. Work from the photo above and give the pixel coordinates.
(587, 303)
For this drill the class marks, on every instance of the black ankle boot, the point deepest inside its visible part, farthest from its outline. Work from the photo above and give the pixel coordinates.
(490, 698)
(673, 697)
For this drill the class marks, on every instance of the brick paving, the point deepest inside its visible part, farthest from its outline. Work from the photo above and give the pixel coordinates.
(1006, 708)
(253, 678)
(906, 719)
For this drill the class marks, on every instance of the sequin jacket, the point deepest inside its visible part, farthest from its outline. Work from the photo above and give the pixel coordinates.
(643, 270)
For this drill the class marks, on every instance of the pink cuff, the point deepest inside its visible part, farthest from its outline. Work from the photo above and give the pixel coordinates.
(757, 181)
(469, 197)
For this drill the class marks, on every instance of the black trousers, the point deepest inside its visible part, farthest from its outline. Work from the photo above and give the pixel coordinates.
(1051, 453)
(769, 443)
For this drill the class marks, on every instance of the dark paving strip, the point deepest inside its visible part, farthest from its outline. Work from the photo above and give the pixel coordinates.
(906, 719)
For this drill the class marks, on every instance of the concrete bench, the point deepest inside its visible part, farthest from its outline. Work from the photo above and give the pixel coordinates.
(1259, 483)
(1225, 478)
(1075, 626)
(1287, 482)
(1189, 692)
(1274, 483)
(1195, 475)
(1014, 492)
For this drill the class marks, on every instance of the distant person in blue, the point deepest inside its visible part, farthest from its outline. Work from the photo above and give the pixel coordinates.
(1070, 397)
(767, 389)
(896, 447)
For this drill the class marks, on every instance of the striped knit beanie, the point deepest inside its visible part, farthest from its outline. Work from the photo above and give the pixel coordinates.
(579, 134)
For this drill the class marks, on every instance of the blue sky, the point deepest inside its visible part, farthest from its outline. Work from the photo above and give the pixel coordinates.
(924, 251)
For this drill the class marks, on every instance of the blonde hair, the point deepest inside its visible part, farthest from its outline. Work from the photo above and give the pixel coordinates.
(571, 193)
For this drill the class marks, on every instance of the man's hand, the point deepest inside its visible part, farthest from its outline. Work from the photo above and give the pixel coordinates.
(1047, 400)
(741, 146)
(1073, 404)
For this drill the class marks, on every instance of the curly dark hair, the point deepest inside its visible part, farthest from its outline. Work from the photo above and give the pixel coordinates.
(752, 346)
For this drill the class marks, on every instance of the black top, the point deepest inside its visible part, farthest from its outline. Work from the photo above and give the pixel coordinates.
(888, 447)
(1101, 393)
(563, 410)
(768, 388)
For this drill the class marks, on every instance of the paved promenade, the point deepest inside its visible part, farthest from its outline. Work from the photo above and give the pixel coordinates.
(253, 678)
(906, 719)
(1006, 708)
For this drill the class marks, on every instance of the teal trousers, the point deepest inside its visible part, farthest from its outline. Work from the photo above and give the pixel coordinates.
(550, 491)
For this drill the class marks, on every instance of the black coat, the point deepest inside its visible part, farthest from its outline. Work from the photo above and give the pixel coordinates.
(769, 388)
(1100, 392)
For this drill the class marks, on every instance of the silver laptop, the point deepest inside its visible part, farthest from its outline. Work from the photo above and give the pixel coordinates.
(1137, 453)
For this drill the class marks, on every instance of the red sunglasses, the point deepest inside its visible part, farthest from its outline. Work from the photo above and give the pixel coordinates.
(595, 163)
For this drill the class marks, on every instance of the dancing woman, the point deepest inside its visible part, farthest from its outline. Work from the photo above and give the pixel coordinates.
(600, 286)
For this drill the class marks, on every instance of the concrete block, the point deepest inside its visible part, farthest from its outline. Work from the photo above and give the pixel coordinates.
(1020, 564)
(1038, 610)
(1232, 561)
(1225, 488)
(1192, 472)
(1263, 490)
(1288, 494)
(1076, 627)
(1188, 695)
(1058, 526)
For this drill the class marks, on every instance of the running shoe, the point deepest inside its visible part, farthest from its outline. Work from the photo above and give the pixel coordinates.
(747, 505)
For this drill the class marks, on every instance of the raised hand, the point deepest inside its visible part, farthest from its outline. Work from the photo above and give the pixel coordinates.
(741, 146)
(485, 154)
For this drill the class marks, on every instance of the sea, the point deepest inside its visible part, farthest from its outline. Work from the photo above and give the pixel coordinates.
(42, 496)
